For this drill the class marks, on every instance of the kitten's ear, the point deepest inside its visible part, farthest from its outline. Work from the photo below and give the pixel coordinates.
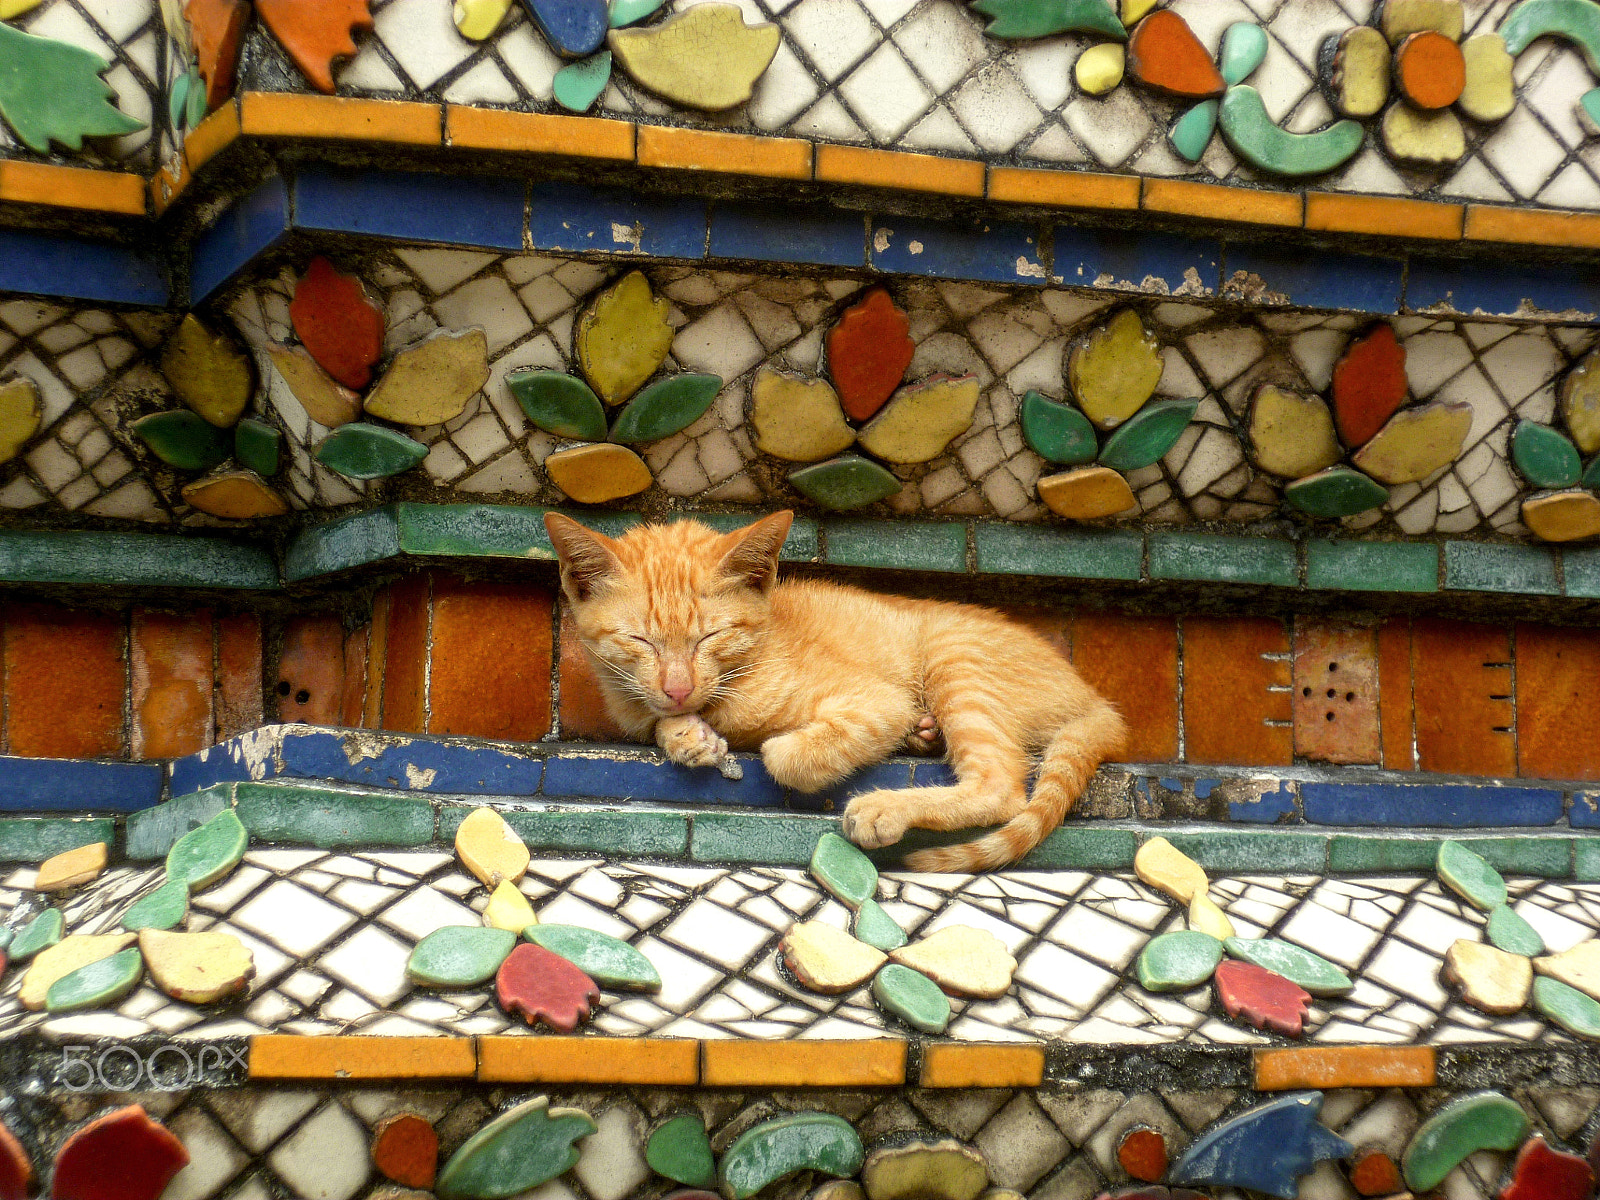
(754, 556)
(586, 556)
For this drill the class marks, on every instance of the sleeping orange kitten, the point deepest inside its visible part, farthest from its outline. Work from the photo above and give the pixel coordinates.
(697, 643)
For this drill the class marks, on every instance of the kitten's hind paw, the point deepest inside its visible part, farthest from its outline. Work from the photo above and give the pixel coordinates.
(875, 819)
(925, 738)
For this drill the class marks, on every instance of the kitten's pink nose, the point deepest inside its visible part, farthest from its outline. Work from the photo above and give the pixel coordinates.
(677, 692)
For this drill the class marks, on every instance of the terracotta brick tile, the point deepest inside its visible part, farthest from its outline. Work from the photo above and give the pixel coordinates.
(1063, 189)
(1232, 690)
(583, 709)
(66, 678)
(589, 1060)
(377, 656)
(976, 1065)
(877, 1063)
(1335, 692)
(727, 153)
(1344, 1067)
(354, 700)
(171, 667)
(1394, 694)
(405, 655)
(1557, 671)
(238, 694)
(291, 1056)
(310, 679)
(489, 673)
(1133, 662)
(1461, 684)
(1391, 216)
(1218, 202)
(538, 133)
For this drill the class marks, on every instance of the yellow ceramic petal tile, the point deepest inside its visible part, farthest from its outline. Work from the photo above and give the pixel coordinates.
(208, 372)
(1416, 442)
(430, 382)
(490, 848)
(1490, 979)
(596, 473)
(1490, 93)
(509, 909)
(1563, 516)
(1578, 967)
(478, 19)
(920, 421)
(71, 868)
(1100, 68)
(1086, 494)
(1134, 10)
(962, 960)
(325, 400)
(1404, 17)
(19, 416)
(704, 57)
(623, 338)
(827, 959)
(235, 496)
(1167, 869)
(198, 968)
(797, 418)
(15, 8)
(1206, 917)
(1115, 370)
(63, 958)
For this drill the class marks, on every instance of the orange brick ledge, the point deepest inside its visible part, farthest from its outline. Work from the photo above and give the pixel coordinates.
(340, 1056)
(1344, 1067)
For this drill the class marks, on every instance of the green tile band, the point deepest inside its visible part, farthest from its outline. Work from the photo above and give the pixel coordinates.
(904, 546)
(34, 839)
(134, 560)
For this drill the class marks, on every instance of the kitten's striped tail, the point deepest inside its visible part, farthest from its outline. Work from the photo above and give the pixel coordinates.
(1069, 761)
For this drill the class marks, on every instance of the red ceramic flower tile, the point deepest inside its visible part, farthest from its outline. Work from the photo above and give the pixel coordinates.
(539, 985)
(218, 29)
(122, 1156)
(1264, 998)
(868, 353)
(338, 325)
(1374, 1173)
(16, 1170)
(315, 35)
(405, 1148)
(1164, 53)
(1369, 384)
(1143, 1154)
(1541, 1173)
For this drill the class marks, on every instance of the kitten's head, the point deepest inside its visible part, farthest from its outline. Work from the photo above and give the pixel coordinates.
(670, 612)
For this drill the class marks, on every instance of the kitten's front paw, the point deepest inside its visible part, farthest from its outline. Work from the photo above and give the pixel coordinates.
(875, 819)
(690, 742)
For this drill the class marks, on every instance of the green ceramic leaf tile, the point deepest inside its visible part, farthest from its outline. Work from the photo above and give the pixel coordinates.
(846, 482)
(1191, 133)
(183, 439)
(1311, 971)
(163, 908)
(197, 100)
(362, 451)
(178, 101)
(258, 446)
(665, 407)
(1545, 456)
(520, 1149)
(628, 12)
(1577, 21)
(1175, 962)
(1057, 432)
(680, 1150)
(1336, 492)
(1254, 137)
(1469, 876)
(877, 928)
(578, 85)
(459, 956)
(913, 997)
(1244, 45)
(846, 872)
(559, 403)
(1569, 1008)
(52, 91)
(1481, 1121)
(205, 855)
(6, 937)
(97, 985)
(1589, 107)
(1042, 18)
(1509, 932)
(1591, 477)
(1144, 437)
(609, 961)
(41, 933)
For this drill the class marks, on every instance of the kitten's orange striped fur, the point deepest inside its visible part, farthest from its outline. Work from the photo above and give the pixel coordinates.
(697, 643)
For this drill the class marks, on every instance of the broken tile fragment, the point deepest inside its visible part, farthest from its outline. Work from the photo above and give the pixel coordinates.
(164, 908)
(340, 326)
(1086, 494)
(666, 407)
(1163, 53)
(578, 85)
(1480, 1121)
(868, 353)
(1567, 1007)
(19, 416)
(679, 1149)
(363, 451)
(71, 868)
(920, 420)
(1291, 433)
(38, 934)
(1490, 980)
(1359, 72)
(1580, 403)
(1577, 967)
(827, 959)
(1142, 1153)
(1541, 1173)
(459, 956)
(1025, 19)
(1177, 961)
(326, 400)
(839, 866)
(508, 908)
(925, 1169)
(1416, 442)
(16, 1168)
(797, 418)
(1244, 45)
(1562, 517)
(1206, 917)
(316, 35)
(964, 961)
(476, 20)
(1267, 1148)
(208, 372)
(1369, 384)
(217, 29)
(913, 997)
(1264, 998)
(147, 1155)
(1374, 1173)
(1470, 876)
(257, 446)
(559, 403)
(704, 57)
(239, 495)
(1295, 963)
(847, 482)
(776, 1149)
(609, 961)
(573, 28)
(537, 985)
(197, 968)
(1401, 18)
(1163, 866)
(1191, 133)
(490, 848)
(62, 959)
(1115, 369)
(598, 472)
(430, 381)
(405, 1148)
(523, 1147)
(1429, 69)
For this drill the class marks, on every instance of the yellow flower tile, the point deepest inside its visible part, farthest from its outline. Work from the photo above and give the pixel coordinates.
(490, 848)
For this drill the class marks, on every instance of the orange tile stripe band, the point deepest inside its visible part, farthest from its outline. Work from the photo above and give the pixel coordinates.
(1344, 1066)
